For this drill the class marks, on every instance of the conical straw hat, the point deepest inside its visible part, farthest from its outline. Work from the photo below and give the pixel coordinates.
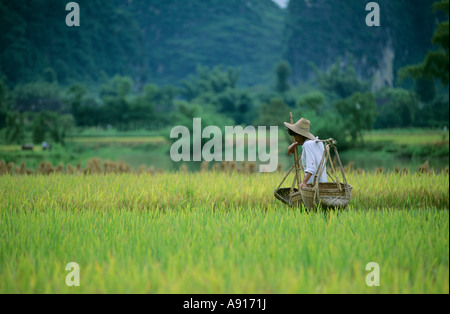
(302, 127)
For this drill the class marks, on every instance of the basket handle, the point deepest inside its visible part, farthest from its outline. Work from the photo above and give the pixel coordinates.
(319, 171)
(326, 157)
(321, 167)
(342, 171)
(333, 169)
(287, 174)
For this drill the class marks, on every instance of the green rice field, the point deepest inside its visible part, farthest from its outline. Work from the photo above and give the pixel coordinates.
(409, 137)
(214, 232)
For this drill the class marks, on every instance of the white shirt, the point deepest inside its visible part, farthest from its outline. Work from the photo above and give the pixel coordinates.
(311, 158)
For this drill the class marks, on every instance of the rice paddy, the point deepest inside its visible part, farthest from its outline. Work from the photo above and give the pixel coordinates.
(129, 140)
(409, 137)
(218, 232)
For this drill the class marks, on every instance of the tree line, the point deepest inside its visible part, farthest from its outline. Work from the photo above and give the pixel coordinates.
(337, 101)
(340, 104)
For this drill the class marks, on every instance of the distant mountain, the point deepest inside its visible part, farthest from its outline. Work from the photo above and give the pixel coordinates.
(179, 35)
(160, 41)
(163, 41)
(321, 31)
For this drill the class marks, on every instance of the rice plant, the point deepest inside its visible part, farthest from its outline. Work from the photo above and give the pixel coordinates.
(220, 232)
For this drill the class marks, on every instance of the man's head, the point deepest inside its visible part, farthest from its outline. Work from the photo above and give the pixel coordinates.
(301, 128)
(300, 139)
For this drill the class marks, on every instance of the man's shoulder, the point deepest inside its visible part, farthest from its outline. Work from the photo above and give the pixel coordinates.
(311, 143)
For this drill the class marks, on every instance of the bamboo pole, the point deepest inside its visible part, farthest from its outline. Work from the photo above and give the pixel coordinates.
(297, 171)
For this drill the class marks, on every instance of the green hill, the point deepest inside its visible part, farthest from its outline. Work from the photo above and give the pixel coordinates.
(157, 41)
(163, 41)
(322, 31)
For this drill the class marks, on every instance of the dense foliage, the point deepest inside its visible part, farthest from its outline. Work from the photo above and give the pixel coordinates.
(436, 62)
(148, 65)
(152, 41)
(319, 31)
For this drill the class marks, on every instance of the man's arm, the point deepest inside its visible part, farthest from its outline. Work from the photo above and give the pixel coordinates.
(291, 148)
(305, 181)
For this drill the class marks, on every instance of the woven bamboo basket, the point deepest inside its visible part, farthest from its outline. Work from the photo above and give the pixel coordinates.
(296, 199)
(285, 196)
(329, 195)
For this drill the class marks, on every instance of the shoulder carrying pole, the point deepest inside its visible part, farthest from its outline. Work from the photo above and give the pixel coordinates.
(297, 171)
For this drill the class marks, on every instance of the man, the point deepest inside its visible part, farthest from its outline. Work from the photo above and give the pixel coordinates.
(312, 150)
